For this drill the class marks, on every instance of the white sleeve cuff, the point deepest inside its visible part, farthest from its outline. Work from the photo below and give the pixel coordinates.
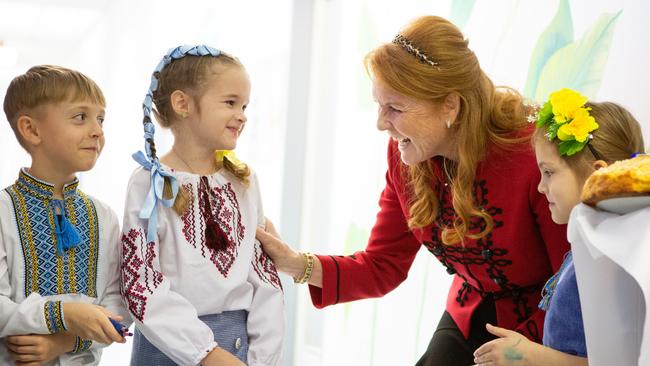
(205, 352)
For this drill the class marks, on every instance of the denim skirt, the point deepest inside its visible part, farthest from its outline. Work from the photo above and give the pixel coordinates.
(229, 329)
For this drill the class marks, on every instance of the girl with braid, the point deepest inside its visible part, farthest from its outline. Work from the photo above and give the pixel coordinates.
(194, 278)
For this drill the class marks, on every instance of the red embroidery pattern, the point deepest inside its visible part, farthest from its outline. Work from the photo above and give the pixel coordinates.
(188, 217)
(265, 268)
(156, 276)
(131, 288)
(225, 207)
(224, 202)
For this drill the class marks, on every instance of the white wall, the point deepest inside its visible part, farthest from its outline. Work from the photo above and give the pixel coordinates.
(118, 43)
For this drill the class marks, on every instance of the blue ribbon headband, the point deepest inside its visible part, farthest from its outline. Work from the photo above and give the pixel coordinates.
(150, 161)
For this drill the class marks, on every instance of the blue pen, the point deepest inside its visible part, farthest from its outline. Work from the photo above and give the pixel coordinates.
(120, 328)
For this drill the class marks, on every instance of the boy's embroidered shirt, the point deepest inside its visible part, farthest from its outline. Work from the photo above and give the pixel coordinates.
(46, 272)
(204, 261)
(36, 279)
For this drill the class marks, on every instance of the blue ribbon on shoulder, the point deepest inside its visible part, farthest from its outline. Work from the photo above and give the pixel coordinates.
(155, 194)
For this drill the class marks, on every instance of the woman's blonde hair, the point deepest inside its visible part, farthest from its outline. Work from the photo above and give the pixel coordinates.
(191, 75)
(486, 116)
(618, 137)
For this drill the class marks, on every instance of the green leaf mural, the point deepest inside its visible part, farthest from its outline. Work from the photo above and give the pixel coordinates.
(579, 65)
(460, 12)
(557, 35)
(559, 62)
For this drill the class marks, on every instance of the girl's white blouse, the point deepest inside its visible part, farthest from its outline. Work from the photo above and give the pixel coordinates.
(168, 283)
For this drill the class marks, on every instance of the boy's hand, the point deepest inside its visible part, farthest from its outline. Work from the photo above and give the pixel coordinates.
(221, 357)
(38, 349)
(91, 322)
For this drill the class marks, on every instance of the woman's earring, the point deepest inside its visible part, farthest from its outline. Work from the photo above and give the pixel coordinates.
(184, 114)
(448, 123)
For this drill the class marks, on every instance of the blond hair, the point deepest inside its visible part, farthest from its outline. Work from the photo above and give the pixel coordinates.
(618, 137)
(190, 74)
(47, 84)
(487, 115)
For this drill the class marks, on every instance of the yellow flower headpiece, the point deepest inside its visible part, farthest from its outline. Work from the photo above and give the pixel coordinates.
(565, 117)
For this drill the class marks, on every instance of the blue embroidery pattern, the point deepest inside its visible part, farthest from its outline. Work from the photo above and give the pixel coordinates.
(53, 313)
(81, 345)
(47, 272)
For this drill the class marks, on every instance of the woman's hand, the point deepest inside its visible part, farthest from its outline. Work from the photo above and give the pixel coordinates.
(38, 349)
(221, 357)
(511, 348)
(91, 322)
(286, 259)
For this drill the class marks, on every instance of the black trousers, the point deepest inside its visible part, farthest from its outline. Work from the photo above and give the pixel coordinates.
(448, 346)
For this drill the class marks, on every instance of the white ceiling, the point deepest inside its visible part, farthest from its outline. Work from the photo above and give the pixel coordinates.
(41, 21)
(29, 26)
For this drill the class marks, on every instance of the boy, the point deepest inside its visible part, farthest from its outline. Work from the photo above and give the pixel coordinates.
(59, 261)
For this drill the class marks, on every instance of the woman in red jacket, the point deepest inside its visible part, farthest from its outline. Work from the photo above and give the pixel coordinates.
(462, 181)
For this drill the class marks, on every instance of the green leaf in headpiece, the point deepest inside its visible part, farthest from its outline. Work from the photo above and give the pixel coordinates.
(551, 131)
(570, 147)
(545, 115)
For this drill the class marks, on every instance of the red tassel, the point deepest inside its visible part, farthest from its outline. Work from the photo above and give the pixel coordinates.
(215, 238)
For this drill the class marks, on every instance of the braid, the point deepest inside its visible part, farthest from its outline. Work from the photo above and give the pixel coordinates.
(240, 170)
(149, 140)
(172, 54)
(152, 146)
(149, 160)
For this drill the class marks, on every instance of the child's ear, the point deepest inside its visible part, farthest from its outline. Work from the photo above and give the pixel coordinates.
(28, 130)
(180, 102)
(600, 164)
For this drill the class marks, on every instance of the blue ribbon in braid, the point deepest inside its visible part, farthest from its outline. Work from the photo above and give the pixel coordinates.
(150, 161)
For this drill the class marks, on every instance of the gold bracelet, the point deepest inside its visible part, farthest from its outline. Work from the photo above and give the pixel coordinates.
(309, 259)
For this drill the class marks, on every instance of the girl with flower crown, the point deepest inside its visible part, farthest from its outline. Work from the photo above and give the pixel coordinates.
(573, 138)
(195, 280)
